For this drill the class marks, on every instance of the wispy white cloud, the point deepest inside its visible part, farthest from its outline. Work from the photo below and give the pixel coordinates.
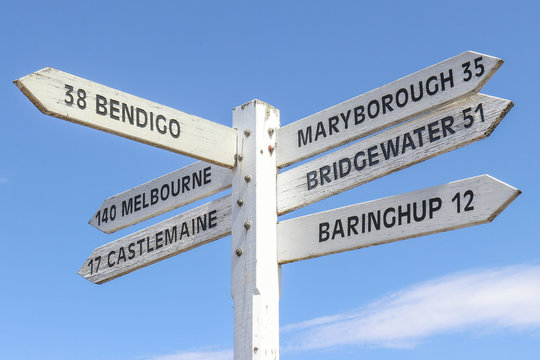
(492, 299)
(200, 354)
(506, 298)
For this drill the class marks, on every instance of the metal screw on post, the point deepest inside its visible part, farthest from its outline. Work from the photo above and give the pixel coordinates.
(247, 225)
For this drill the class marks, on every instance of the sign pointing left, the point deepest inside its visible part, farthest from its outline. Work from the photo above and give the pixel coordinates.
(85, 102)
(179, 234)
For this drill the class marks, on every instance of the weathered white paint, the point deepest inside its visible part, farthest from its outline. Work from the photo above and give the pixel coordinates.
(446, 207)
(160, 195)
(152, 244)
(255, 278)
(72, 98)
(369, 156)
(465, 80)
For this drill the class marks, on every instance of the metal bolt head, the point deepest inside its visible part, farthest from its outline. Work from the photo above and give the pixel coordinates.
(238, 252)
(247, 132)
(247, 225)
(270, 149)
(240, 202)
(240, 157)
(247, 178)
(271, 131)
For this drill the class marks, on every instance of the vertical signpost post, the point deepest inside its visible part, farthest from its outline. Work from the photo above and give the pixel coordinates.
(255, 272)
(448, 113)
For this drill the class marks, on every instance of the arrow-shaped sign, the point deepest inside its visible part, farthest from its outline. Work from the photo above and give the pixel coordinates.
(85, 102)
(160, 195)
(179, 234)
(440, 131)
(446, 207)
(385, 106)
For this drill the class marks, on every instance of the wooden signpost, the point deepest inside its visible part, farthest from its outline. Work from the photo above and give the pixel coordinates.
(446, 207)
(160, 195)
(85, 102)
(448, 113)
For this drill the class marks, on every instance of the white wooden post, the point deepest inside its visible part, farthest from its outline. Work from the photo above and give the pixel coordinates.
(255, 273)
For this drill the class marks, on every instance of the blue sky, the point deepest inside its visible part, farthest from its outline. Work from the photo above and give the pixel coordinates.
(469, 293)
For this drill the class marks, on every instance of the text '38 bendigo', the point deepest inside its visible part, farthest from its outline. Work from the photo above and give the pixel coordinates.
(85, 102)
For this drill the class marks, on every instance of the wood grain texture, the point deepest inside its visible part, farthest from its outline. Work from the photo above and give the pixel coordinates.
(445, 207)
(171, 237)
(385, 106)
(438, 132)
(255, 273)
(85, 102)
(178, 188)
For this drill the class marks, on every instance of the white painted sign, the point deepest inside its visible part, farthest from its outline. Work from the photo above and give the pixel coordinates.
(459, 204)
(385, 106)
(179, 234)
(85, 102)
(440, 131)
(160, 195)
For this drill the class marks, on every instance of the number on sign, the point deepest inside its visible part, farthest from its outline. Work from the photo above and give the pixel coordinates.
(81, 97)
(477, 66)
(470, 118)
(91, 264)
(457, 199)
(106, 215)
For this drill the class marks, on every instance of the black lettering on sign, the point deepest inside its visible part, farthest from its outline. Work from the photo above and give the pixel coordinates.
(323, 231)
(469, 118)
(392, 148)
(381, 219)
(105, 215)
(97, 261)
(478, 67)
(387, 103)
(70, 100)
(126, 113)
(469, 195)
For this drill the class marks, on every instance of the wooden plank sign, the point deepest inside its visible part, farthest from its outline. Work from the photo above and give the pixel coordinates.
(160, 195)
(385, 106)
(446, 207)
(179, 234)
(85, 102)
(427, 136)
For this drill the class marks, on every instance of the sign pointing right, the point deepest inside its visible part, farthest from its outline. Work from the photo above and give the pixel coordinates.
(427, 136)
(385, 106)
(446, 207)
